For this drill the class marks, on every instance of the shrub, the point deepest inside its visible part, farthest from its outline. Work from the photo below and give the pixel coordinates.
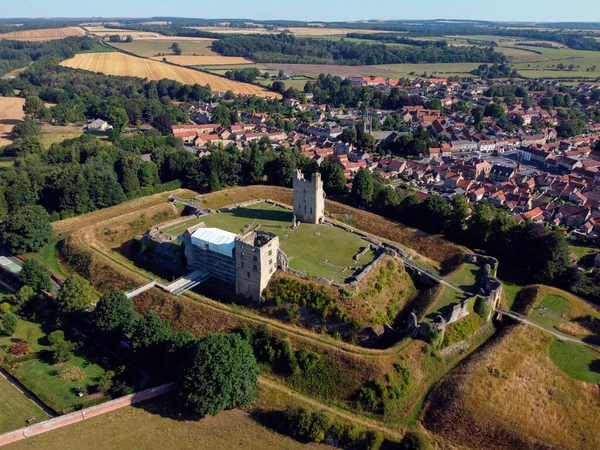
(482, 307)
(9, 323)
(414, 440)
(19, 349)
(461, 330)
(318, 301)
(73, 374)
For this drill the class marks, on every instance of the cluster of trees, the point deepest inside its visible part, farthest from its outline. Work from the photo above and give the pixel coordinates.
(286, 48)
(333, 90)
(213, 373)
(395, 39)
(81, 94)
(538, 251)
(486, 71)
(246, 75)
(81, 175)
(17, 54)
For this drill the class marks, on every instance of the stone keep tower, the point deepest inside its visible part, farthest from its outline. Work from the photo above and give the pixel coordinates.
(309, 198)
(255, 262)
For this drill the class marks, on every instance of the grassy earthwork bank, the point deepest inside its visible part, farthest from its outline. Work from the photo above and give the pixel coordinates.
(497, 399)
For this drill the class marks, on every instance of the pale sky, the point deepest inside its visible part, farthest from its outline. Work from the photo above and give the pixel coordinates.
(325, 10)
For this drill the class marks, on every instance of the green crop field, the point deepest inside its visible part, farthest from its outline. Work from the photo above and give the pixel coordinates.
(16, 408)
(544, 63)
(577, 361)
(149, 48)
(318, 250)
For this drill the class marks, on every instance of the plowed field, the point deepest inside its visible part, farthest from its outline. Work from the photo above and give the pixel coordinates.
(120, 64)
(43, 35)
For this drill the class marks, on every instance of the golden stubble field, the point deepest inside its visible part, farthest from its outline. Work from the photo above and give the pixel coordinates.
(120, 64)
(43, 35)
(11, 113)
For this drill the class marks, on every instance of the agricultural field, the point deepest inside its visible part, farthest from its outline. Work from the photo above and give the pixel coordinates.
(11, 113)
(16, 408)
(512, 395)
(120, 64)
(543, 63)
(298, 31)
(205, 60)
(155, 425)
(152, 47)
(52, 134)
(43, 35)
(318, 250)
(383, 70)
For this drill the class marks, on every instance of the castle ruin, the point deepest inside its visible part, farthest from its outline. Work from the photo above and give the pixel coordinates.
(309, 198)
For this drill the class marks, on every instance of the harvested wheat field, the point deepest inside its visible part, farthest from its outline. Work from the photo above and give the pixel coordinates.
(120, 64)
(204, 60)
(43, 35)
(11, 113)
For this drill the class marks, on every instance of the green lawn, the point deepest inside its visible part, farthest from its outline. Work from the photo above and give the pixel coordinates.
(549, 312)
(47, 138)
(308, 246)
(512, 282)
(28, 332)
(582, 251)
(464, 277)
(42, 378)
(49, 256)
(579, 362)
(99, 49)
(16, 408)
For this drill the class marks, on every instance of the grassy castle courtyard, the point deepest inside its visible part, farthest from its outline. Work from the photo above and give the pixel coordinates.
(317, 250)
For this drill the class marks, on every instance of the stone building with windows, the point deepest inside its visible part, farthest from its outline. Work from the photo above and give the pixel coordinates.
(309, 198)
(247, 262)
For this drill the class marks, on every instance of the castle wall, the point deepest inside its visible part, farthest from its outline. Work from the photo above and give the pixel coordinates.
(309, 198)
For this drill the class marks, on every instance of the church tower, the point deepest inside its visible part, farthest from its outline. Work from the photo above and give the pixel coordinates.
(309, 198)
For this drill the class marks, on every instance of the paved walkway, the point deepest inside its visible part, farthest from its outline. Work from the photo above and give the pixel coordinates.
(563, 337)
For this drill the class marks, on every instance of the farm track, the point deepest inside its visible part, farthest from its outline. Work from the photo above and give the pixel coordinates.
(267, 383)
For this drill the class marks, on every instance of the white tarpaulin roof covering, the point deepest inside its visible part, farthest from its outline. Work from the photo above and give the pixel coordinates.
(217, 240)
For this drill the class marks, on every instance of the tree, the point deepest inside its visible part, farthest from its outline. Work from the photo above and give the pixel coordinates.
(176, 48)
(34, 107)
(362, 186)
(118, 118)
(150, 332)
(75, 294)
(62, 350)
(9, 323)
(220, 373)
(27, 230)
(163, 123)
(115, 313)
(334, 180)
(35, 275)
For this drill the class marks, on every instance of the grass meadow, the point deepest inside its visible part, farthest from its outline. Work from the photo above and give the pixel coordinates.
(16, 408)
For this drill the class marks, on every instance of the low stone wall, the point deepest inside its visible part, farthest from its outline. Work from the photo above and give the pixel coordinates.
(84, 414)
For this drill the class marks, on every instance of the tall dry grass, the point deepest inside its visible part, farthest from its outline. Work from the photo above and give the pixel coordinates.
(511, 396)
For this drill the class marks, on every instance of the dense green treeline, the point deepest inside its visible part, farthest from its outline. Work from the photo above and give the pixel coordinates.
(17, 54)
(286, 48)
